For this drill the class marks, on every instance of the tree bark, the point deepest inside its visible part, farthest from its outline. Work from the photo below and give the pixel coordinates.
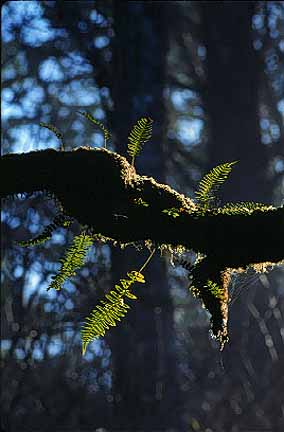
(101, 189)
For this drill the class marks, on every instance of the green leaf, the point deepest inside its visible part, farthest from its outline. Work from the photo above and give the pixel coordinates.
(140, 202)
(243, 208)
(140, 133)
(59, 221)
(173, 212)
(110, 310)
(56, 132)
(73, 260)
(97, 123)
(211, 182)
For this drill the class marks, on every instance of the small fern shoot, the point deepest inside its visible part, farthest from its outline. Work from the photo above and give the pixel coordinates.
(74, 259)
(140, 133)
(59, 221)
(97, 123)
(210, 183)
(56, 132)
(111, 310)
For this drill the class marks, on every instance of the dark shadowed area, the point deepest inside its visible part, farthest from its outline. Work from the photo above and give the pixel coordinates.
(211, 76)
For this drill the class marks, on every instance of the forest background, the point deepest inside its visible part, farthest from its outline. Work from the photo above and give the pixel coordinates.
(211, 75)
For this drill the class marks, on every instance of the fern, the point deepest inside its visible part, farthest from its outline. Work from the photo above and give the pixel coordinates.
(56, 132)
(59, 221)
(210, 183)
(140, 133)
(97, 123)
(73, 259)
(140, 202)
(173, 212)
(214, 289)
(110, 310)
(242, 208)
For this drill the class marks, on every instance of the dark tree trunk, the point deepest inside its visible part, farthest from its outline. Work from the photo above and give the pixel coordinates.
(233, 103)
(232, 98)
(144, 358)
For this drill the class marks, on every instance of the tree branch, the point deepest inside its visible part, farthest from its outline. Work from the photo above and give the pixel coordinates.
(101, 189)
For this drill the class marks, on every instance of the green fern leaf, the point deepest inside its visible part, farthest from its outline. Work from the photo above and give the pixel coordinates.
(209, 184)
(73, 260)
(243, 208)
(140, 133)
(97, 123)
(174, 212)
(109, 311)
(56, 132)
(214, 289)
(59, 221)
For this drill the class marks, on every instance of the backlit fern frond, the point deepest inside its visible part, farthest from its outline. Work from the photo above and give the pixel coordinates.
(59, 221)
(97, 123)
(74, 259)
(140, 133)
(111, 310)
(209, 184)
(56, 132)
(241, 208)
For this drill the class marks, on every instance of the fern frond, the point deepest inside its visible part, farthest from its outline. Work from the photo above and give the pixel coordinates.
(209, 184)
(140, 133)
(59, 221)
(242, 208)
(73, 260)
(215, 289)
(109, 311)
(56, 132)
(97, 123)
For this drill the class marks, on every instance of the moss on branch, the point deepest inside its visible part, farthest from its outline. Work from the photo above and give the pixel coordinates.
(101, 189)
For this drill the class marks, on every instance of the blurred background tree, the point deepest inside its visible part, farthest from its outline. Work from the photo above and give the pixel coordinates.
(211, 75)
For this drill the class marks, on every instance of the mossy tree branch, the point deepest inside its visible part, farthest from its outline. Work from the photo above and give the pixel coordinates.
(101, 189)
